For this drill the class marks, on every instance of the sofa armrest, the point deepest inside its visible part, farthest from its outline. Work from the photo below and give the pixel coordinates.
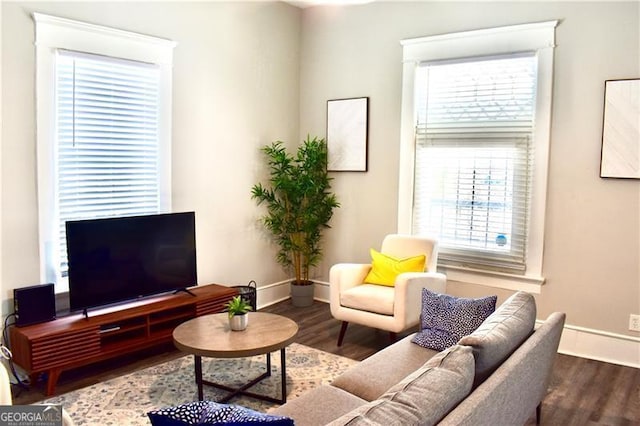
(408, 293)
(512, 393)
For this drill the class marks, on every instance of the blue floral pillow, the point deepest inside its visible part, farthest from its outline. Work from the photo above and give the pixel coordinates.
(446, 319)
(212, 413)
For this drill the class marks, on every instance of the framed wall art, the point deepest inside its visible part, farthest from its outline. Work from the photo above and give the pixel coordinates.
(347, 134)
(621, 129)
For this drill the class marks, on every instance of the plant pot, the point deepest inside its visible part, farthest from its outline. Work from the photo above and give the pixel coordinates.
(302, 295)
(238, 322)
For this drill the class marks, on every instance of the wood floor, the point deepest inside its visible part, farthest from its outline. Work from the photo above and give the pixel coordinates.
(582, 392)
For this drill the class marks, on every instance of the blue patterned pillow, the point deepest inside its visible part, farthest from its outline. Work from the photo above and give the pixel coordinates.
(212, 413)
(232, 415)
(446, 319)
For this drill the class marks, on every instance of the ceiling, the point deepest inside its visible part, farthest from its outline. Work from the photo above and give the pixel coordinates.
(308, 3)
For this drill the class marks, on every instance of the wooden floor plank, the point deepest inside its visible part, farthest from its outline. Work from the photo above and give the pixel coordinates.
(581, 391)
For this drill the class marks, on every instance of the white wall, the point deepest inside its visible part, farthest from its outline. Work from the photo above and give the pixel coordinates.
(236, 87)
(592, 234)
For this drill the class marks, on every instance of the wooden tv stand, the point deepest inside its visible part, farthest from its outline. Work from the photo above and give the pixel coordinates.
(74, 340)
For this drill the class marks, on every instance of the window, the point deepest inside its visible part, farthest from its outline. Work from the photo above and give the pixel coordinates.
(104, 103)
(476, 110)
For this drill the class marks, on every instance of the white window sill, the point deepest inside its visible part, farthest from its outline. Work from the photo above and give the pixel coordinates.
(529, 283)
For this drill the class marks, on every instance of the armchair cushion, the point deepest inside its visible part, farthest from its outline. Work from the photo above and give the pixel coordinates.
(446, 319)
(369, 297)
(385, 268)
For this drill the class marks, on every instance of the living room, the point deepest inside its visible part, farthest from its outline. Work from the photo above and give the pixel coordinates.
(247, 74)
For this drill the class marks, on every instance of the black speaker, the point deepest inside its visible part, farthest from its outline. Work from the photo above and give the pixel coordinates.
(34, 304)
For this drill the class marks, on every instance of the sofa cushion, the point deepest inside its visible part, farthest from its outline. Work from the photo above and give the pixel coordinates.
(212, 413)
(369, 297)
(319, 406)
(501, 333)
(445, 319)
(385, 268)
(422, 398)
(375, 375)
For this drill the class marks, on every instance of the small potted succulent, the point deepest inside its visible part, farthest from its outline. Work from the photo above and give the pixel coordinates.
(237, 308)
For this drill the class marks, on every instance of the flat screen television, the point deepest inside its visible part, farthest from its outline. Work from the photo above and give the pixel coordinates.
(118, 259)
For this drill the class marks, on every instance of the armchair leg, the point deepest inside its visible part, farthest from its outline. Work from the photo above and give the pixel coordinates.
(393, 337)
(538, 413)
(343, 330)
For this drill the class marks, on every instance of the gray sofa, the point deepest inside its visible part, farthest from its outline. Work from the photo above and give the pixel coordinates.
(498, 375)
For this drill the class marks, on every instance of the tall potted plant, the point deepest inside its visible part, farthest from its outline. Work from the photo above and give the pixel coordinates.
(299, 205)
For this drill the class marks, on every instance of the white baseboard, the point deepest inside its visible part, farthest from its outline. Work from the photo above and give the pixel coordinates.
(277, 292)
(322, 292)
(600, 345)
(576, 341)
(273, 293)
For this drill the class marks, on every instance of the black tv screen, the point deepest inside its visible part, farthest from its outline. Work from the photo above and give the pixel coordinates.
(118, 259)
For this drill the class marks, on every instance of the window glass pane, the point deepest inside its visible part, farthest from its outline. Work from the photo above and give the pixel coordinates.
(491, 92)
(472, 196)
(107, 138)
(473, 159)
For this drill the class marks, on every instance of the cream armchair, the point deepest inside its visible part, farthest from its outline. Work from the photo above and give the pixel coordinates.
(393, 309)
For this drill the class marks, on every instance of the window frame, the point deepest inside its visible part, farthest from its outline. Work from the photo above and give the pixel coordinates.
(53, 33)
(536, 37)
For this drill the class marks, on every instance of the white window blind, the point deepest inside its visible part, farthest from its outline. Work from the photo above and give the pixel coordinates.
(473, 159)
(107, 134)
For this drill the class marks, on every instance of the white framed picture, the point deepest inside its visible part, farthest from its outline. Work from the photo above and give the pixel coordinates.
(347, 134)
(621, 129)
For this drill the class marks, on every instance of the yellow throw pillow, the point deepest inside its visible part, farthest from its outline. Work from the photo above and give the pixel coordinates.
(385, 269)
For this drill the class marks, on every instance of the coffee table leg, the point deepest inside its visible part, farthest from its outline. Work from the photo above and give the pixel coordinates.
(198, 364)
(283, 371)
(268, 363)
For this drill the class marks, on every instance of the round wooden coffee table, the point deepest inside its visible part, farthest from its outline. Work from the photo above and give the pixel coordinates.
(210, 336)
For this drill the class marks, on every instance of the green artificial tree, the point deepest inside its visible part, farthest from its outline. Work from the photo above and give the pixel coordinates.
(299, 203)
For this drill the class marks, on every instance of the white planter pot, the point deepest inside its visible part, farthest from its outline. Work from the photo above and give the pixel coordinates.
(238, 322)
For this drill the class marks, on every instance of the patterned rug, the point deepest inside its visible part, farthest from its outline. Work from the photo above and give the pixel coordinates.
(126, 400)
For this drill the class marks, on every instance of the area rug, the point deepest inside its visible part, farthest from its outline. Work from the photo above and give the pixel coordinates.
(126, 400)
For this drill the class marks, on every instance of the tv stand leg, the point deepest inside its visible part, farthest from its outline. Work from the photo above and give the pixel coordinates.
(52, 380)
